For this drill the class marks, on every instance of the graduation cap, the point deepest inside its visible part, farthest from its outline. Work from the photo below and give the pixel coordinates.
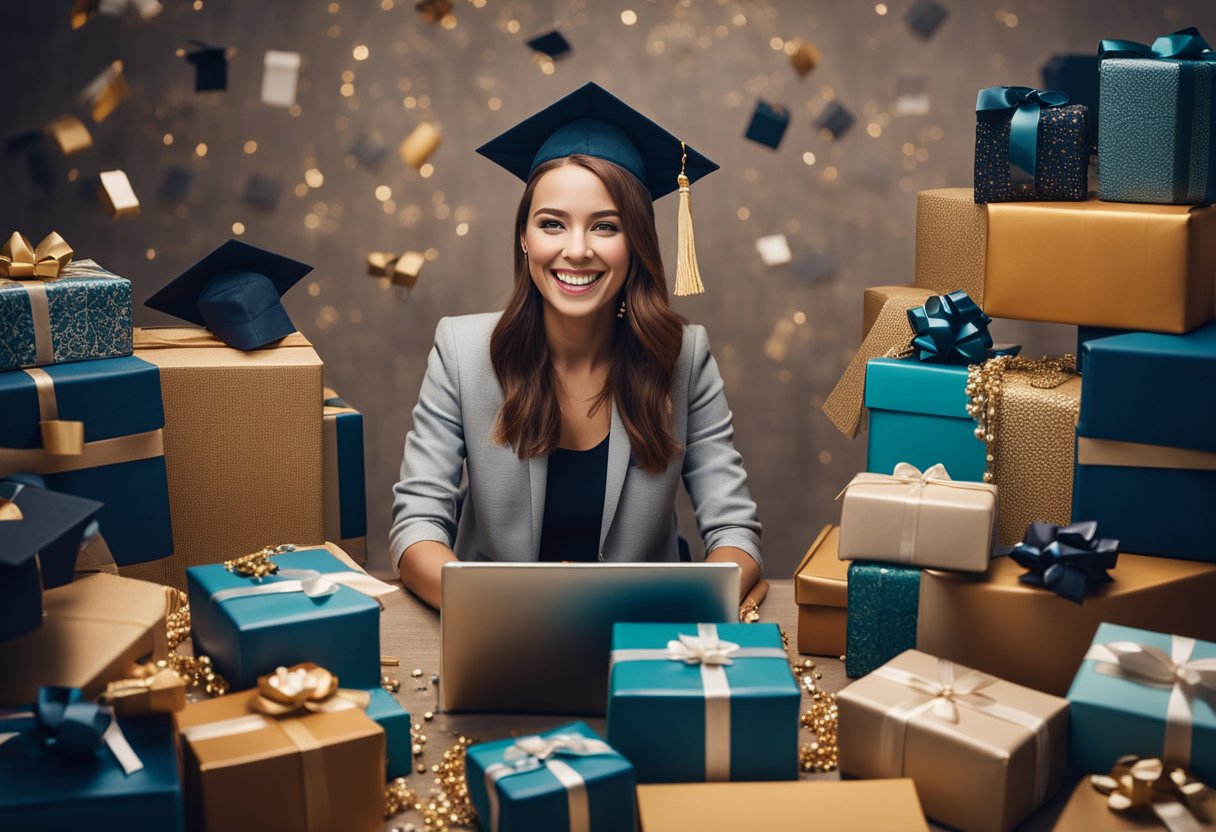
(925, 17)
(235, 291)
(593, 122)
(834, 121)
(40, 534)
(768, 124)
(176, 183)
(369, 152)
(210, 66)
(262, 191)
(553, 44)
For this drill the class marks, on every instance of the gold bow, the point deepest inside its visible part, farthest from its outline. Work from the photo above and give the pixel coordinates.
(21, 261)
(1137, 784)
(304, 687)
(149, 689)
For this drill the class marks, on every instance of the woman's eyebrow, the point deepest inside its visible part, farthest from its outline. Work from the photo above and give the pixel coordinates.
(557, 212)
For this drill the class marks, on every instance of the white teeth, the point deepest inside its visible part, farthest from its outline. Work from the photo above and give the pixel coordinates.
(577, 279)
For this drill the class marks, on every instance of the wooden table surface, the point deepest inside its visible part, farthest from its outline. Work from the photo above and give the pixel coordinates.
(410, 631)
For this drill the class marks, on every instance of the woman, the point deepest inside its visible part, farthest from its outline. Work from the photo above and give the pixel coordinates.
(578, 409)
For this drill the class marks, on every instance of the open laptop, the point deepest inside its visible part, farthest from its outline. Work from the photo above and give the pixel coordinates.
(536, 637)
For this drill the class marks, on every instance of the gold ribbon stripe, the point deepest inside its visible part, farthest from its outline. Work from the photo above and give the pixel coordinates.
(1141, 455)
(96, 454)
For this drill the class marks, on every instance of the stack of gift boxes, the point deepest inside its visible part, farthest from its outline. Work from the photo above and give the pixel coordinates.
(1021, 576)
(160, 454)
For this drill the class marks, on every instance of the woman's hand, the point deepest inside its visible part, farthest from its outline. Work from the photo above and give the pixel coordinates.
(750, 569)
(420, 568)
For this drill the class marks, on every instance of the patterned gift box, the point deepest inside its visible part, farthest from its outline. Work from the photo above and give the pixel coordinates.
(83, 313)
(45, 791)
(692, 702)
(314, 609)
(95, 429)
(1034, 637)
(883, 603)
(1014, 121)
(821, 592)
(563, 780)
(918, 414)
(984, 753)
(1141, 267)
(1144, 693)
(1146, 453)
(387, 712)
(1156, 140)
(345, 490)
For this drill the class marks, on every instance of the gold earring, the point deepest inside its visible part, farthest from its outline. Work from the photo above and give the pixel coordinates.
(620, 313)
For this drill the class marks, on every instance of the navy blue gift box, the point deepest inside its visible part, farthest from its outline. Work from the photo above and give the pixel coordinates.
(768, 124)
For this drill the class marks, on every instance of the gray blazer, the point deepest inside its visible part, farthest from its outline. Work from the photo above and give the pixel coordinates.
(501, 516)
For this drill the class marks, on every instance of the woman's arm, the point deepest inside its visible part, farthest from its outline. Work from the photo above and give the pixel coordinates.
(420, 568)
(750, 570)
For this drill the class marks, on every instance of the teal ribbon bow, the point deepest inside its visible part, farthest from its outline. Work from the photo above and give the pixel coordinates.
(1185, 44)
(64, 722)
(1022, 107)
(950, 329)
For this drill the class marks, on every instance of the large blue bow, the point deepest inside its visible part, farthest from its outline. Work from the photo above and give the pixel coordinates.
(1022, 108)
(1068, 560)
(64, 722)
(950, 329)
(1185, 44)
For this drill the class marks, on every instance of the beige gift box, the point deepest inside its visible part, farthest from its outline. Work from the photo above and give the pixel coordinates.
(918, 519)
(243, 446)
(984, 753)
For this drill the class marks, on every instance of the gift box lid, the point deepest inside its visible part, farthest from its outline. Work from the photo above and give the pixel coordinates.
(1151, 388)
(916, 387)
(822, 577)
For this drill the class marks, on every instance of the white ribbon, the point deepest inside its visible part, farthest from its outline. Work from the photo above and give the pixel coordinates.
(534, 752)
(943, 698)
(312, 583)
(712, 654)
(1148, 665)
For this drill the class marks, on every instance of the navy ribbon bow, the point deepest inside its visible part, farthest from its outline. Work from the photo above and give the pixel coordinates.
(1067, 560)
(950, 329)
(1185, 44)
(1022, 107)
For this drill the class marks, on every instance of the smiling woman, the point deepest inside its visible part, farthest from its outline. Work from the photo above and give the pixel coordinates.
(580, 408)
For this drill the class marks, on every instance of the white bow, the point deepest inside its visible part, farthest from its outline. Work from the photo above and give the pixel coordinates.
(948, 691)
(908, 471)
(530, 752)
(705, 650)
(1145, 663)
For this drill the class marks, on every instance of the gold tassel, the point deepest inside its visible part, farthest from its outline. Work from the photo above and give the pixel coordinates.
(688, 276)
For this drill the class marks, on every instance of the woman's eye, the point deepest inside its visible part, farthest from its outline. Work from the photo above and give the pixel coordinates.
(547, 224)
(604, 226)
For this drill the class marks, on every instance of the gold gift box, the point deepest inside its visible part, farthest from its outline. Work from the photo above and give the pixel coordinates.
(977, 773)
(1105, 264)
(1087, 811)
(821, 589)
(951, 526)
(93, 630)
(836, 805)
(243, 446)
(320, 771)
(1032, 636)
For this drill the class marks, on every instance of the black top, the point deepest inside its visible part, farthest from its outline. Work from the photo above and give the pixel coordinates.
(574, 504)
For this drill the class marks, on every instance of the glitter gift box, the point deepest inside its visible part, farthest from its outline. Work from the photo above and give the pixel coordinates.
(95, 429)
(1146, 452)
(1141, 267)
(694, 702)
(821, 592)
(246, 770)
(1034, 637)
(345, 490)
(883, 604)
(1061, 170)
(1145, 693)
(387, 712)
(248, 633)
(563, 780)
(44, 791)
(984, 753)
(83, 314)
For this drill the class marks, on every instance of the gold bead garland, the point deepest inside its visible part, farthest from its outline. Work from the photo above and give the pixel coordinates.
(258, 565)
(820, 754)
(985, 383)
(196, 671)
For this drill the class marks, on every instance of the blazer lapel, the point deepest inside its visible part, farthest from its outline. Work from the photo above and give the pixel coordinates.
(618, 466)
(538, 474)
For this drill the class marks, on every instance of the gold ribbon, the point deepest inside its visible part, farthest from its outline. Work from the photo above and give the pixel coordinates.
(59, 437)
(149, 689)
(1145, 785)
(178, 337)
(1092, 451)
(305, 688)
(21, 261)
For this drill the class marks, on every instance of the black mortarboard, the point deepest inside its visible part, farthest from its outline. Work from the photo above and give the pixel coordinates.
(176, 183)
(369, 152)
(235, 291)
(210, 66)
(43, 529)
(768, 124)
(592, 121)
(835, 120)
(925, 17)
(262, 191)
(553, 44)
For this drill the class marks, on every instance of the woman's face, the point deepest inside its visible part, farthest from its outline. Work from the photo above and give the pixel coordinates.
(578, 256)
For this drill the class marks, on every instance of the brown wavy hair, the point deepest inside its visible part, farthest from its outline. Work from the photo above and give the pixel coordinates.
(645, 345)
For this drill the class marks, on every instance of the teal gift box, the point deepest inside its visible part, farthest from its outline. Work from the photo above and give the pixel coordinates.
(1155, 137)
(250, 635)
(386, 711)
(700, 702)
(345, 490)
(884, 600)
(1144, 693)
(83, 314)
(564, 780)
(41, 791)
(918, 414)
(116, 402)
